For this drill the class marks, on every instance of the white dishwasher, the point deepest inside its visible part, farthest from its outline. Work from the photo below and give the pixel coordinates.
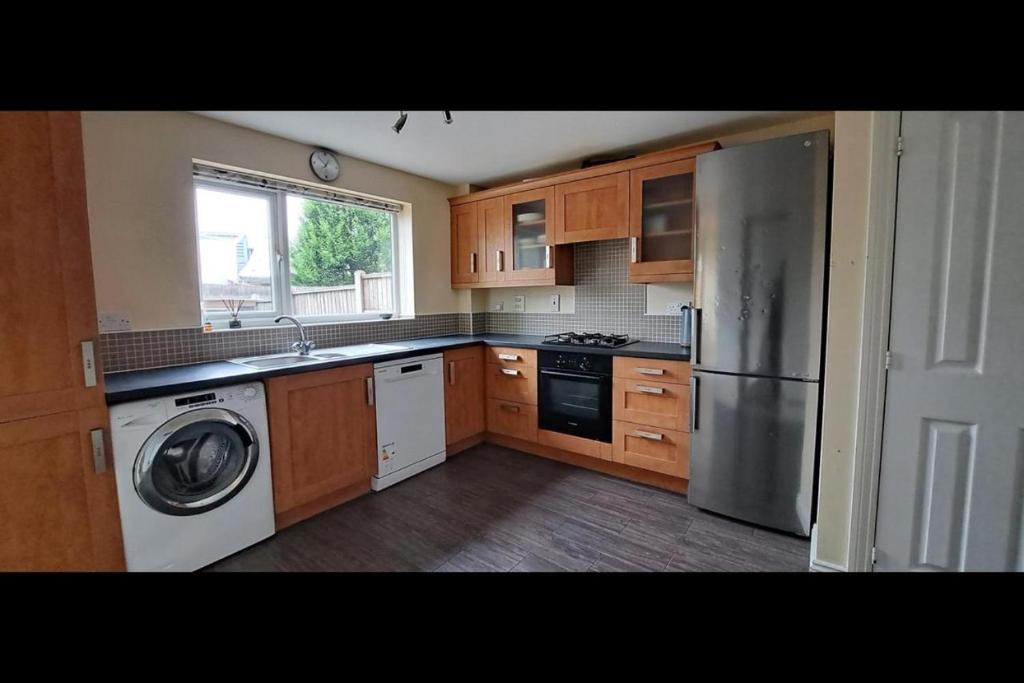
(409, 395)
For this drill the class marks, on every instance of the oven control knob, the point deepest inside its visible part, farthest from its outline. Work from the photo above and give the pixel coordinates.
(584, 363)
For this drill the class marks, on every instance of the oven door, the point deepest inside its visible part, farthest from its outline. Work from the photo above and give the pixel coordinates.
(576, 403)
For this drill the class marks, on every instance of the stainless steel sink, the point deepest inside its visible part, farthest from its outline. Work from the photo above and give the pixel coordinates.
(279, 360)
(361, 350)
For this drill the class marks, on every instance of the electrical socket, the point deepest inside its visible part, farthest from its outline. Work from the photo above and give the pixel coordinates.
(554, 304)
(115, 321)
(674, 307)
(519, 304)
(498, 307)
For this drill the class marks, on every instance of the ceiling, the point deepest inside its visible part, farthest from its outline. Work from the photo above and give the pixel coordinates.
(487, 148)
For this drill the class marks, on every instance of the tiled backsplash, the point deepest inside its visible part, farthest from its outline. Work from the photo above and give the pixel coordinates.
(605, 302)
(135, 350)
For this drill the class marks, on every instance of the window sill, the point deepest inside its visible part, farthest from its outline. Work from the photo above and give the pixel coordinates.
(269, 324)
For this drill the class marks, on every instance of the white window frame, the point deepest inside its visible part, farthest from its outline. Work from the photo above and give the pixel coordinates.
(280, 276)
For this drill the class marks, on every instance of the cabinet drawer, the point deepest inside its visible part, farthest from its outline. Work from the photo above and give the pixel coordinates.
(671, 371)
(512, 383)
(510, 357)
(512, 419)
(659, 404)
(651, 448)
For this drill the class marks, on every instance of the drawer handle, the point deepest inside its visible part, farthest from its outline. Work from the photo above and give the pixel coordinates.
(649, 390)
(648, 435)
(509, 371)
(509, 407)
(508, 356)
(650, 371)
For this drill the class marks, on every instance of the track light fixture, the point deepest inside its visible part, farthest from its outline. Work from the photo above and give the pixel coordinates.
(400, 123)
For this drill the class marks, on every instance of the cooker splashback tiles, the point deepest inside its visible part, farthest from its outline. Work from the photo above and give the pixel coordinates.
(606, 301)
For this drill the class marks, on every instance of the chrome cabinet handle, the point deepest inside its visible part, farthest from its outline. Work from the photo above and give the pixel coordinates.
(633, 250)
(507, 371)
(547, 256)
(509, 407)
(508, 356)
(99, 451)
(499, 256)
(369, 391)
(451, 372)
(649, 390)
(472, 262)
(650, 436)
(650, 371)
(693, 403)
(89, 363)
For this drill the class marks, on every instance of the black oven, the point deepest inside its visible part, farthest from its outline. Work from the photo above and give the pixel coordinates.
(575, 394)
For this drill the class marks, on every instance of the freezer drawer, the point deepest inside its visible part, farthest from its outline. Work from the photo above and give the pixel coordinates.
(752, 449)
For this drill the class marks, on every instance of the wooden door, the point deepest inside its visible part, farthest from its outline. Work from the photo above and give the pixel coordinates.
(592, 209)
(47, 299)
(530, 234)
(323, 439)
(463, 394)
(662, 222)
(493, 240)
(465, 244)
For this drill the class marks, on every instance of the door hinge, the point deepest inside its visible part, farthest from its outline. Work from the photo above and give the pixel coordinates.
(899, 145)
(888, 359)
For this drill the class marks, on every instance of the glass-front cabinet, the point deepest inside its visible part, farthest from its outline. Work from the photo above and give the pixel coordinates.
(531, 238)
(661, 222)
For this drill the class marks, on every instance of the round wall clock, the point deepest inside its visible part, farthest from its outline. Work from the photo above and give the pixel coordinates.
(324, 165)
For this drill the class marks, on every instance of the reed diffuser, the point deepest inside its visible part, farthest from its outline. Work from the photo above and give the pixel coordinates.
(233, 307)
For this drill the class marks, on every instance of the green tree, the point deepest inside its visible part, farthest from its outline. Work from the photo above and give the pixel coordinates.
(334, 241)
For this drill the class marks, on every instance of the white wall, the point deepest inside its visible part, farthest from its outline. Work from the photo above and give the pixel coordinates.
(139, 186)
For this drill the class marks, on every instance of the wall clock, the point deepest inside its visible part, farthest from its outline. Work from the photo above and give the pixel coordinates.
(325, 165)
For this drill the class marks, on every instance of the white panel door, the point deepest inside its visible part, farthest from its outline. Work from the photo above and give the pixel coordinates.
(952, 469)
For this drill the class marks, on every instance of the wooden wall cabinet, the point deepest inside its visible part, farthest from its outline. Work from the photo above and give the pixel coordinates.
(662, 222)
(493, 240)
(464, 416)
(592, 209)
(58, 510)
(323, 439)
(465, 244)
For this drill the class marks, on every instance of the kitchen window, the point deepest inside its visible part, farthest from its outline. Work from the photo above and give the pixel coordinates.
(270, 247)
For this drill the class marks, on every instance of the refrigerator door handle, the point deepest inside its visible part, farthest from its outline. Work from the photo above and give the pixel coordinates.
(693, 403)
(695, 336)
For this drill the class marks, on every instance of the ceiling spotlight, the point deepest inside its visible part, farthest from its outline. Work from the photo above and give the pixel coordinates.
(448, 117)
(400, 123)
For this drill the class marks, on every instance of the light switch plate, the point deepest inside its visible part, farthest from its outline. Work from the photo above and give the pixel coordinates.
(114, 321)
(555, 303)
(519, 304)
(498, 307)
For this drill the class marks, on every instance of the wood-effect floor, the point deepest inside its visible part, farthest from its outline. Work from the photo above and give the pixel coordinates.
(495, 509)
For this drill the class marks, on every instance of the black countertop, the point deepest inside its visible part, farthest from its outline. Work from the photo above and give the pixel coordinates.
(140, 384)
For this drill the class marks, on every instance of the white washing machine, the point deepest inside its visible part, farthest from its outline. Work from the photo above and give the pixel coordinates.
(193, 476)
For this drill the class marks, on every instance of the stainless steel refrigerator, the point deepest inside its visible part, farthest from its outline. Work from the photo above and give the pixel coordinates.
(757, 329)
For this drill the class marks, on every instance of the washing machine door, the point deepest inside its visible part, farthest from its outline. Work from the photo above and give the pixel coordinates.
(196, 461)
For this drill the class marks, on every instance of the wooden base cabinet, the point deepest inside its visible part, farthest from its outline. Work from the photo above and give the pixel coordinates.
(650, 448)
(323, 439)
(463, 394)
